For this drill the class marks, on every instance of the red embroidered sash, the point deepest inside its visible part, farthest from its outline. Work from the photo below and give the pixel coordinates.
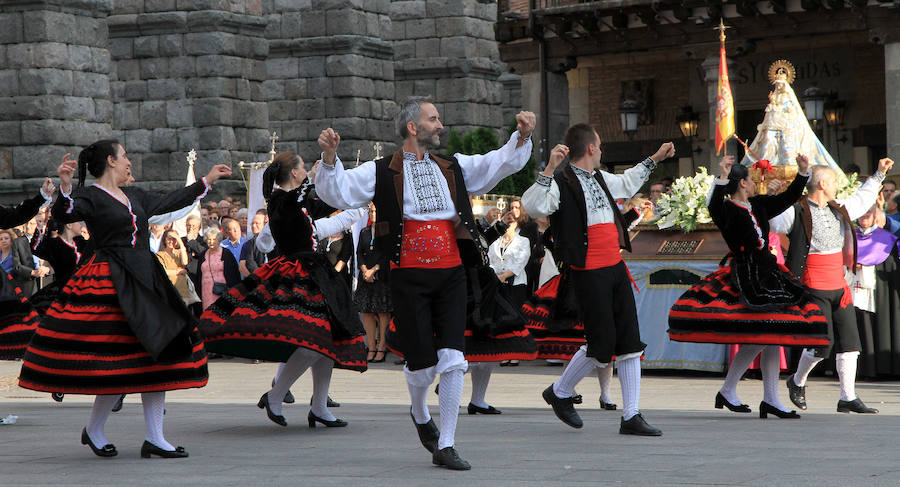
(428, 244)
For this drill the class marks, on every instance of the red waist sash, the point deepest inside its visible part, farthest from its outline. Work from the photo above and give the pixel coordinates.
(603, 247)
(428, 244)
(825, 272)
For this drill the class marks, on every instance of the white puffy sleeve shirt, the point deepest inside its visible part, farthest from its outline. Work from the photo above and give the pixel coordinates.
(513, 258)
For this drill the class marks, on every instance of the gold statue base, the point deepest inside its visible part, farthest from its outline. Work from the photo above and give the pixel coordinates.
(783, 173)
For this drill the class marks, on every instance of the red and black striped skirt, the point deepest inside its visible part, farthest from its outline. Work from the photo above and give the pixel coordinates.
(512, 345)
(711, 312)
(84, 345)
(558, 335)
(275, 310)
(18, 320)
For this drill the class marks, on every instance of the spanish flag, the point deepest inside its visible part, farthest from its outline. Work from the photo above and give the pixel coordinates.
(724, 101)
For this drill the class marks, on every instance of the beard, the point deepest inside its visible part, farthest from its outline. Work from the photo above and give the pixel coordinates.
(428, 140)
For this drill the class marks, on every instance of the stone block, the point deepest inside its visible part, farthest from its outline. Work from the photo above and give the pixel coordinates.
(188, 139)
(338, 4)
(390, 109)
(147, 46)
(100, 60)
(487, 48)
(310, 109)
(12, 31)
(458, 47)
(295, 89)
(318, 87)
(135, 90)
(253, 139)
(91, 31)
(282, 110)
(272, 90)
(92, 85)
(154, 68)
(213, 111)
(182, 67)
(405, 49)
(242, 86)
(380, 130)
(451, 8)
(36, 161)
(164, 89)
(218, 137)
(424, 87)
(350, 128)
(257, 115)
(36, 132)
(486, 11)
(164, 140)
(159, 5)
(290, 25)
(210, 87)
(129, 6)
(47, 25)
(121, 47)
(10, 133)
(153, 114)
(384, 90)
(128, 70)
(345, 21)
(58, 55)
(216, 65)
(312, 67)
(419, 28)
(462, 90)
(352, 65)
(347, 107)
(291, 5)
(9, 82)
(155, 167)
(405, 10)
(103, 111)
(352, 86)
(45, 82)
(464, 26)
(179, 113)
(203, 43)
(296, 130)
(79, 108)
(313, 23)
(138, 140)
(127, 116)
(258, 71)
(427, 47)
(170, 45)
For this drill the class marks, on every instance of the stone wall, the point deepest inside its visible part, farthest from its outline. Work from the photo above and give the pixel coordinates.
(54, 86)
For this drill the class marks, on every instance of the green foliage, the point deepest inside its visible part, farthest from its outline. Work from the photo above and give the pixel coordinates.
(483, 140)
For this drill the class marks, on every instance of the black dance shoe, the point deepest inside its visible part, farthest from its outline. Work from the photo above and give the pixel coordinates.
(313, 419)
(331, 403)
(148, 449)
(118, 405)
(473, 409)
(637, 426)
(379, 360)
(289, 397)
(609, 406)
(855, 406)
(108, 450)
(765, 409)
(428, 433)
(264, 404)
(447, 457)
(577, 399)
(57, 396)
(735, 408)
(796, 393)
(563, 408)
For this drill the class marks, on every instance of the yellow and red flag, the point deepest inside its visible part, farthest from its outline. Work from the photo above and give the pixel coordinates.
(724, 101)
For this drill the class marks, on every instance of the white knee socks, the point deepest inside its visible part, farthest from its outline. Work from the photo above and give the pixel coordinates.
(99, 414)
(481, 375)
(846, 369)
(741, 362)
(630, 378)
(808, 360)
(448, 398)
(154, 409)
(321, 374)
(418, 398)
(579, 367)
(770, 366)
(604, 374)
(296, 365)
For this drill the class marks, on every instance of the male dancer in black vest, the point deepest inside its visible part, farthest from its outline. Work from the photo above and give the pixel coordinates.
(423, 208)
(823, 249)
(589, 232)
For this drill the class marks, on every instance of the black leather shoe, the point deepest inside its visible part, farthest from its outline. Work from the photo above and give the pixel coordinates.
(637, 426)
(855, 406)
(447, 457)
(108, 450)
(289, 398)
(577, 399)
(765, 409)
(57, 396)
(609, 406)
(148, 449)
(332, 404)
(735, 408)
(428, 433)
(118, 405)
(264, 404)
(563, 408)
(473, 409)
(796, 393)
(313, 419)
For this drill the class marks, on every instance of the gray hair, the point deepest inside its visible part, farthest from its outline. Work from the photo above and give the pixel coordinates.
(817, 173)
(213, 232)
(242, 212)
(410, 112)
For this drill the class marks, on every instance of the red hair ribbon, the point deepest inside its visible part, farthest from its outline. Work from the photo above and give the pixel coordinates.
(764, 166)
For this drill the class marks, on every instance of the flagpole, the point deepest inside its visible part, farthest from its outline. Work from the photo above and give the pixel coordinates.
(722, 45)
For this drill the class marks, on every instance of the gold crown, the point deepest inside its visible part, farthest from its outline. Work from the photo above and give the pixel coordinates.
(782, 69)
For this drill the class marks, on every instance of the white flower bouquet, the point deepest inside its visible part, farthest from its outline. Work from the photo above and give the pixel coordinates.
(685, 204)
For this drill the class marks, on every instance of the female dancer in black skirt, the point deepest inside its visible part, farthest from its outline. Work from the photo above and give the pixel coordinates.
(64, 248)
(296, 308)
(18, 318)
(118, 326)
(753, 301)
